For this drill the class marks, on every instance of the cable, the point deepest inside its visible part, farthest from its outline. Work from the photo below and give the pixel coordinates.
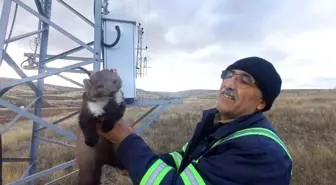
(85, 70)
(116, 41)
(103, 52)
(102, 36)
(31, 61)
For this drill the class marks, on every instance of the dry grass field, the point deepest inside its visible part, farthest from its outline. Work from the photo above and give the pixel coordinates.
(305, 119)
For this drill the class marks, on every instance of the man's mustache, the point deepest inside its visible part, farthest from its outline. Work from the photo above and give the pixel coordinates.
(229, 92)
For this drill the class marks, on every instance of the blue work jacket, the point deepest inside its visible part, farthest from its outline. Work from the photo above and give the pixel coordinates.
(211, 158)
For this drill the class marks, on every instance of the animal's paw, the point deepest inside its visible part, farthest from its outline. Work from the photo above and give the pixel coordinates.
(119, 97)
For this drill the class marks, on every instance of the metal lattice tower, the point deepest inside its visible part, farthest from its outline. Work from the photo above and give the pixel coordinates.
(145, 65)
(140, 58)
(96, 47)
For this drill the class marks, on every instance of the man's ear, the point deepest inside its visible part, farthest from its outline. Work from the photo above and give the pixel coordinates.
(261, 104)
(87, 84)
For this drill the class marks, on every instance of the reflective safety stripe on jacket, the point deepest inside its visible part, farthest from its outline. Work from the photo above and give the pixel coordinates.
(247, 132)
(159, 169)
(189, 175)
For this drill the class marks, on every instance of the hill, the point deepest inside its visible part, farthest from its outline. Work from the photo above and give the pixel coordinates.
(187, 93)
(61, 96)
(55, 95)
(60, 99)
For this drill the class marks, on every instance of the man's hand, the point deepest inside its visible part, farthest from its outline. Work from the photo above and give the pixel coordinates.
(119, 132)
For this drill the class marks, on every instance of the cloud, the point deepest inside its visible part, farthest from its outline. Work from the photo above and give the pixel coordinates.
(188, 38)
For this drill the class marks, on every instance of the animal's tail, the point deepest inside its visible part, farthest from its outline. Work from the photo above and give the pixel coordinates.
(85, 70)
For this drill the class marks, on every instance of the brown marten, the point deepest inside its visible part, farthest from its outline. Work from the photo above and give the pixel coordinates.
(103, 101)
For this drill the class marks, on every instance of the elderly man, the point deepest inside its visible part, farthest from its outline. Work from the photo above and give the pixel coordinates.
(233, 144)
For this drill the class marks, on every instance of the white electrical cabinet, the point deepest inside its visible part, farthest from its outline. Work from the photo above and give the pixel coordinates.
(122, 56)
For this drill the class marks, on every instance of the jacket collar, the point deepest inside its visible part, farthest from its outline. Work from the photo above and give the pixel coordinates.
(229, 127)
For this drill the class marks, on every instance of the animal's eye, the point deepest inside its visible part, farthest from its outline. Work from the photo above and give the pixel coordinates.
(114, 81)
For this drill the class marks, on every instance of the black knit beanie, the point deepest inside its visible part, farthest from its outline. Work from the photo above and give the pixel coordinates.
(268, 79)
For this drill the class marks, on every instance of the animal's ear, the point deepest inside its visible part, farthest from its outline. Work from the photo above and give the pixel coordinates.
(84, 96)
(87, 84)
(114, 70)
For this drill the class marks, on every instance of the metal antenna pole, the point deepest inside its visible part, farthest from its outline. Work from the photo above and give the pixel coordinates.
(138, 68)
(140, 57)
(139, 65)
(145, 65)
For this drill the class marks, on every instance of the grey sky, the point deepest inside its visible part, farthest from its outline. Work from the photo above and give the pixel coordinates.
(212, 34)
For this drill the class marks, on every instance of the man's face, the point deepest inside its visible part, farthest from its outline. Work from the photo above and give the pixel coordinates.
(238, 95)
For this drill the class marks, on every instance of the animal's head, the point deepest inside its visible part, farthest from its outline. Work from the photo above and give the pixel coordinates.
(102, 84)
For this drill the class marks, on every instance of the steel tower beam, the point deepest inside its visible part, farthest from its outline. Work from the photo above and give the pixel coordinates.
(97, 34)
(3, 25)
(40, 85)
(43, 14)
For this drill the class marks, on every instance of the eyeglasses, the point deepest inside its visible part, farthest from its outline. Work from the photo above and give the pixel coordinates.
(241, 78)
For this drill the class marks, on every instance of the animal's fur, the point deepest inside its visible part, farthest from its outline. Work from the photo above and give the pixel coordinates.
(104, 110)
(103, 101)
(91, 160)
